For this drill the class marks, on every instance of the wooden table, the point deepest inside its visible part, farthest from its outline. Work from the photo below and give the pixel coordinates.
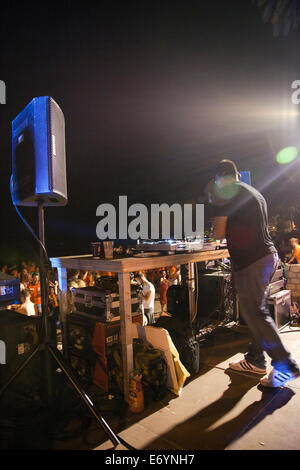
(123, 267)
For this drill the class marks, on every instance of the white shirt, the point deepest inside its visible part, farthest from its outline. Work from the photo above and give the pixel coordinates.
(149, 287)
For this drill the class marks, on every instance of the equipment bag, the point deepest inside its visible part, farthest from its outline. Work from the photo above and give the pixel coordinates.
(148, 360)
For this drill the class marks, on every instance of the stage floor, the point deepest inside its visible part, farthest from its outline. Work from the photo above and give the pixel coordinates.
(221, 409)
(218, 409)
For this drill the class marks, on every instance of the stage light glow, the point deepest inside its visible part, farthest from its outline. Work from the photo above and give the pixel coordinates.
(287, 155)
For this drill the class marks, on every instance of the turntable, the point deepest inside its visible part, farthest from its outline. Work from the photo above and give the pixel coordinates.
(176, 246)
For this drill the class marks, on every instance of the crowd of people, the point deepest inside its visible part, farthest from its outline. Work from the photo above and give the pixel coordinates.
(30, 288)
(153, 282)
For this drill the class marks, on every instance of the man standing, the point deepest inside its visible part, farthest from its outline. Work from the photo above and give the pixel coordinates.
(26, 307)
(241, 218)
(148, 297)
(296, 251)
(35, 289)
(163, 288)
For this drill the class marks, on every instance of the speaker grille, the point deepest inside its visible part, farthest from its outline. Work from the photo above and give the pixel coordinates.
(38, 154)
(57, 149)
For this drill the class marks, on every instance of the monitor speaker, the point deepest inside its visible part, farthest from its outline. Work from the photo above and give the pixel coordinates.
(178, 302)
(18, 337)
(38, 154)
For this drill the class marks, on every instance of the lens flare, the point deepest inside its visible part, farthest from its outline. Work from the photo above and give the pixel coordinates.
(287, 155)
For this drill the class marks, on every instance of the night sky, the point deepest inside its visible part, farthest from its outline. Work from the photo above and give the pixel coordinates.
(154, 94)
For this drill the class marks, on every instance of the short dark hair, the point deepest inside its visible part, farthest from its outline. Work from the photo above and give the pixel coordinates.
(26, 293)
(227, 167)
(139, 275)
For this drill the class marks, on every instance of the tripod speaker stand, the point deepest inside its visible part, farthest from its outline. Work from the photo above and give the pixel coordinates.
(39, 180)
(47, 350)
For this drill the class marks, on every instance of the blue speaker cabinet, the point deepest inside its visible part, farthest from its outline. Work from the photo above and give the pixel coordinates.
(9, 289)
(38, 154)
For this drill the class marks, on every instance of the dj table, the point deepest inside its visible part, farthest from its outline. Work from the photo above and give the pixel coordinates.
(123, 267)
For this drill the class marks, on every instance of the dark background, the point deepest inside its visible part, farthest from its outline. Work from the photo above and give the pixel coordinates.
(154, 94)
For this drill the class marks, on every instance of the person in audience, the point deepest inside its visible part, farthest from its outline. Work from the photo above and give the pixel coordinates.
(148, 297)
(14, 272)
(88, 278)
(35, 289)
(76, 281)
(25, 277)
(164, 286)
(174, 276)
(31, 267)
(296, 251)
(26, 307)
(52, 301)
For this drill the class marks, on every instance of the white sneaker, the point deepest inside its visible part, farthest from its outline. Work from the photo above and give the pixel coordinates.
(245, 366)
(278, 379)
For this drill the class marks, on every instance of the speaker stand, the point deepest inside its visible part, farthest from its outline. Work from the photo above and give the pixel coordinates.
(47, 350)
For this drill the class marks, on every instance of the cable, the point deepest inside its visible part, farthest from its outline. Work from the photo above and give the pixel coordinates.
(45, 268)
(291, 331)
(290, 324)
(26, 223)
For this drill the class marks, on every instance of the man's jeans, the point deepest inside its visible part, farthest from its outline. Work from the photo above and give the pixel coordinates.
(252, 286)
(148, 316)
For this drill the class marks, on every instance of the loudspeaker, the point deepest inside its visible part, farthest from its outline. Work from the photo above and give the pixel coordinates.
(19, 336)
(38, 154)
(178, 302)
(9, 289)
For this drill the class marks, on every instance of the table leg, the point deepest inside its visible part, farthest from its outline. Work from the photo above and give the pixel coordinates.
(63, 306)
(126, 329)
(191, 287)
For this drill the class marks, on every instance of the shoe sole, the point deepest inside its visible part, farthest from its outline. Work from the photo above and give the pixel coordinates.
(270, 385)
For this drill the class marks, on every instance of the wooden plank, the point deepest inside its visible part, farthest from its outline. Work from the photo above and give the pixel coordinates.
(123, 267)
(126, 329)
(63, 306)
(86, 262)
(132, 264)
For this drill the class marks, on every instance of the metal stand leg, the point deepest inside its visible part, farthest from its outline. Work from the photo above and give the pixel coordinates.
(47, 350)
(64, 367)
(46, 362)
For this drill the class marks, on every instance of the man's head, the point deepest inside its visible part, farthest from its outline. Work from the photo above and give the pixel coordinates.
(294, 241)
(226, 173)
(35, 278)
(25, 294)
(140, 277)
